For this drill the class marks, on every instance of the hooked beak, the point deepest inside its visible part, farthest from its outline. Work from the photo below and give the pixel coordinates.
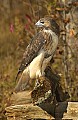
(39, 24)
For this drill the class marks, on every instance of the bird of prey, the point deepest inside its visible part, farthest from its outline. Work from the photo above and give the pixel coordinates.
(39, 52)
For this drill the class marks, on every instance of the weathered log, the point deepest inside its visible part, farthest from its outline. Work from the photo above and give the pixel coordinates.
(24, 112)
(63, 110)
(72, 111)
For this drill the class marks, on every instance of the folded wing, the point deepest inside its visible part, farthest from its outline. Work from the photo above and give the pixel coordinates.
(31, 51)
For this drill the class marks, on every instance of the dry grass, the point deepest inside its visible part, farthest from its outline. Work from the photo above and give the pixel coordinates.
(9, 62)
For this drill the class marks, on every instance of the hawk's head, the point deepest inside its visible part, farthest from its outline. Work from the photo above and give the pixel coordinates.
(48, 23)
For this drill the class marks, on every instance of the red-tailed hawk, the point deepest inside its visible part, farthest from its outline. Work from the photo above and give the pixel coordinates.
(39, 52)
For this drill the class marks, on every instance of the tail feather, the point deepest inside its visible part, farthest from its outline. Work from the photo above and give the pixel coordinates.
(22, 83)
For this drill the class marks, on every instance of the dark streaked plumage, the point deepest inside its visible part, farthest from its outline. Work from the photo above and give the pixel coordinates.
(39, 51)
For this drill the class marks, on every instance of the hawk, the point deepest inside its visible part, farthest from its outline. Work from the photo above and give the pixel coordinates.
(39, 52)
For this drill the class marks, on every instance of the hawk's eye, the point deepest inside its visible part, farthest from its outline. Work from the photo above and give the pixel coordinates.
(42, 22)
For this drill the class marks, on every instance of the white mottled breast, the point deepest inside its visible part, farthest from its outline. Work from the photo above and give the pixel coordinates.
(54, 39)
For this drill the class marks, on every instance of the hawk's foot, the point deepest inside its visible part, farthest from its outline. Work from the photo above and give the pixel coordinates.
(38, 83)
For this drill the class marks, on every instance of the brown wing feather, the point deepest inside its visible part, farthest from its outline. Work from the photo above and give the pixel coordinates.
(31, 51)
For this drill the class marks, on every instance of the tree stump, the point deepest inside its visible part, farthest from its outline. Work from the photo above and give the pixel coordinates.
(64, 110)
(25, 112)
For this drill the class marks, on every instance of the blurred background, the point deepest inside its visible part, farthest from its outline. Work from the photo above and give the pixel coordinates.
(17, 27)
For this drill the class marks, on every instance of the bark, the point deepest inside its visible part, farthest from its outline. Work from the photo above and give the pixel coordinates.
(63, 110)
